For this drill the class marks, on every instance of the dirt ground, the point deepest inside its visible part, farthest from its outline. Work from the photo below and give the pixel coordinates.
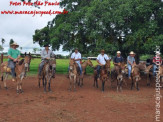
(87, 104)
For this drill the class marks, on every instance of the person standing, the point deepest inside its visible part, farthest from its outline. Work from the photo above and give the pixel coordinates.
(13, 57)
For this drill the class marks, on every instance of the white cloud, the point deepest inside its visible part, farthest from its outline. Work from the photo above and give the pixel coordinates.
(21, 27)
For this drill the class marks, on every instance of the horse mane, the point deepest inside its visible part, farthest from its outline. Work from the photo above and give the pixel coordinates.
(21, 62)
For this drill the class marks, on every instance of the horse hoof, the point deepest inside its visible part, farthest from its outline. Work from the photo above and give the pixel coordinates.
(6, 88)
(17, 91)
(50, 91)
(21, 91)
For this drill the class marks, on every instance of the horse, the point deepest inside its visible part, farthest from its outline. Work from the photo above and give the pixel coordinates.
(84, 65)
(20, 70)
(47, 73)
(118, 70)
(105, 69)
(73, 73)
(135, 76)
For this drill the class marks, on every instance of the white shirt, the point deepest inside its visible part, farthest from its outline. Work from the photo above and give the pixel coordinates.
(102, 59)
(45, 54)
(76, 56)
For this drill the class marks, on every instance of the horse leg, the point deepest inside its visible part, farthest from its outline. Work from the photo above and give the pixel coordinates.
(70, 87)
(148, 83)
(20, 85)
(74, 82)
(49, 85)
(102, 86)
(45, 84)
(17, 89)
(43, 81)
(5, 86)
(96, 82)
(137, 87)
(39, 82)
(121, 86)
(132, 84)
(117, 85)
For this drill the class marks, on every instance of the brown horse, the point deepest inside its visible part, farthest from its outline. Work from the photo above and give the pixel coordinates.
(135, 76)
(105, 70)
(118, 70)
(84, 65)
(20, 70)
(73, 74)
(47, 73)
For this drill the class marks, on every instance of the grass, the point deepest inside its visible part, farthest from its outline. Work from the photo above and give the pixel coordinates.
(61, 66)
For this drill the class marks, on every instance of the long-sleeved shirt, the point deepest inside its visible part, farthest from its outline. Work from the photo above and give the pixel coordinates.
(45, 54)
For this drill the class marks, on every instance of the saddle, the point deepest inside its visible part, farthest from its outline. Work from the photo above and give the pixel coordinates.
(5, 67)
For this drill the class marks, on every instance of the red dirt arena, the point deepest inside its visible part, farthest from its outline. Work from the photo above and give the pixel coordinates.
(87, 104)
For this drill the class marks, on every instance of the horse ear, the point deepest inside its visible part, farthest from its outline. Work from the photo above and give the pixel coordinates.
(29, 53)
(25, 53)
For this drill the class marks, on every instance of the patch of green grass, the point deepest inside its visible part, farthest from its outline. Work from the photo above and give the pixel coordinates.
(61, 66)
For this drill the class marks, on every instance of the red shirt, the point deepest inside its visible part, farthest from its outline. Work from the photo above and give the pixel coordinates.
(157, 59)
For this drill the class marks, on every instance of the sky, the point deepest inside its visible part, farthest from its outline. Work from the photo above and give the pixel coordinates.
(20, 28)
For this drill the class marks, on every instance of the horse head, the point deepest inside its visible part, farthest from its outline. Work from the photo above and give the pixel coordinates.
(52, 63)
(27, 60)
(71, 65)
(90, 63)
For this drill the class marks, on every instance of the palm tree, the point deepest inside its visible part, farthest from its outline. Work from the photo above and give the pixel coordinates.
(2, 41)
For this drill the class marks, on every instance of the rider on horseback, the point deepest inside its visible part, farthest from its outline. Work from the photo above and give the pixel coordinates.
(101, 60)
(13, 57)
(117, 60)
(77, 57)
(45, 56)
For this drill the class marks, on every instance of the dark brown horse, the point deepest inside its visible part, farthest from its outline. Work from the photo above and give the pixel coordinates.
(104, 71)
(47, 73)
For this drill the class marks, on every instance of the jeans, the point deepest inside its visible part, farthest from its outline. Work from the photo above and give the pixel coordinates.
(41, 67)
(129, 70)
(154, 69)
(98, 70)
(80, 68)
(12, 65)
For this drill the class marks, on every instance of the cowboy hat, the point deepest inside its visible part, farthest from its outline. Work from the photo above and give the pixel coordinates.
(14, 44)
(76, 48)
(102, 50)
(119, 52)
(132, 53)
(157, 52)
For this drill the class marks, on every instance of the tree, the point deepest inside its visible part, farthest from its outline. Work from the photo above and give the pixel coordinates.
(113, 25)
(11, 41)
(35, 50)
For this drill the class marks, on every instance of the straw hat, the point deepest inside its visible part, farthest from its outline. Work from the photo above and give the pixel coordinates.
(132, 53)
(14, 44)
(102, 50)
(119, 52)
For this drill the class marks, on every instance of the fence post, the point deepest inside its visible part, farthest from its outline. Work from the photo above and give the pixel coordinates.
(1, 58)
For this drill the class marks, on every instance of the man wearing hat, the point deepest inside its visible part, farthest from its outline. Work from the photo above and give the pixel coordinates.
(156, 61)
(101, 60)
(118, 59)
(13, 57)
(46, 54)
(77, 57)
(130, 63)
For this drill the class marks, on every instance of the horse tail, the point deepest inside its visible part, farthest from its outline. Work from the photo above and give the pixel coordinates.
(1, 74)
